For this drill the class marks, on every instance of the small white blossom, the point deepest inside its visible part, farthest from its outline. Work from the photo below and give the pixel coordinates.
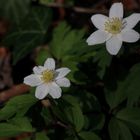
(114, 29)
(48, 80)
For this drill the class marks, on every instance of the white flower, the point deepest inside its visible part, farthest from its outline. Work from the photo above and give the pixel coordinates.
(114, 29)
(48, 80)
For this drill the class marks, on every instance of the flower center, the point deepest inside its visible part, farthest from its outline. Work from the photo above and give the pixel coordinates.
(113, 25)
(47, 76)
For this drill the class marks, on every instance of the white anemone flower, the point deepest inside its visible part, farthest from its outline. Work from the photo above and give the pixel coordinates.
(114, 29)
(48, 80)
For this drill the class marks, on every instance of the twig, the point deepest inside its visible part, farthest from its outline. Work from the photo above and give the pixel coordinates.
(89, 10)
(46, 103)
(14, 91)
(62, 124)
(75, 8)
(5, 68)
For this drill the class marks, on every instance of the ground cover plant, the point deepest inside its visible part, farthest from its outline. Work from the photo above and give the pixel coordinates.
(69, 70)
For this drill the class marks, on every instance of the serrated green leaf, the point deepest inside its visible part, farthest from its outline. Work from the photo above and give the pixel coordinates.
(66, 42)
(133, 87)
(97, 122)
(22, 122)
(125, 132)
(46, 114)
(28, 35)
(119, 131)
(15, 127)
(88, 136)
(68, 111)
(14, 10)
(74, 112)
(104, 59)
(113, 129)
(43, 54)
(7, 112)
(18, 105)
(116, 97)
(131, 116)
(7, 130)
(125, 88)
(69, 47)
(88, 101)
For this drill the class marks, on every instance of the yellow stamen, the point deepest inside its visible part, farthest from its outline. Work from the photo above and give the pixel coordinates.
(113, 25)
(47, 76)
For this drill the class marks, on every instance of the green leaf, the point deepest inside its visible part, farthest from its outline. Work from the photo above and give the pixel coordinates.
(114, 98)
(7, 112)
(69, 47)
(46, 114)
(104, 59)
(14, 10)
(18, 105)
(66, 42)
(43, 54)
(119, 131)
(87, 101)
(131, 116)
(22, 122)
(7, 130)
(125, 88)
(88, 136)
(96, 123)
(68, 111)
(113, 129)
(15, 127)
(41, 136)
(133, 86)
(74, 112)
(28, 35)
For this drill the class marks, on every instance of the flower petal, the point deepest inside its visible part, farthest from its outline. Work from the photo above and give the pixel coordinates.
(42, 91)
(116, 10)
(33, 80)
(38, 70)
(55, 91)
(113, 45)
(60, 73)
(63, 82)
(130, 36)
(132, 20)
(49, 64)
(97, 37)
(99, 21)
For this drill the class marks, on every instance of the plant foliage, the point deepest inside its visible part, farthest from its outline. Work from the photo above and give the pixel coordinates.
(103, 102)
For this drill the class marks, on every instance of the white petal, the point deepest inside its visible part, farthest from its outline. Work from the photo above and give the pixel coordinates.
(60, 73)
(132, 20)
(42, 91)
(55, 91)
(99, 21)
(32, 80)
(113, 45)
(130, 36)
(97, 37)
(63, 82)
(116, 10)
(38, 70)
(49, 64)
